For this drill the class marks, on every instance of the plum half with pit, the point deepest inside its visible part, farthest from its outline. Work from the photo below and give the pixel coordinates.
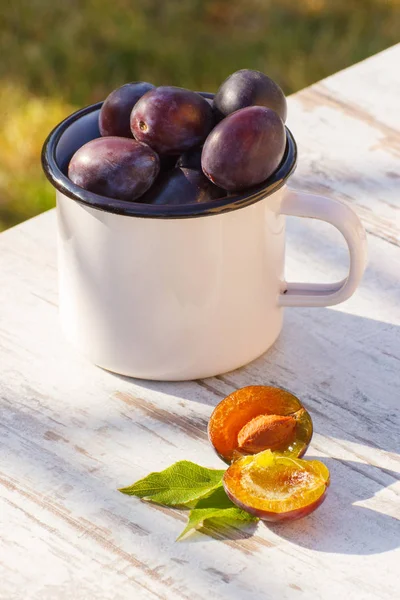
(276, 488)
(182, 186)
(257, 418)
(171, 120)
(244, 149)
(115, 167)
(249, 88)
(115, 113)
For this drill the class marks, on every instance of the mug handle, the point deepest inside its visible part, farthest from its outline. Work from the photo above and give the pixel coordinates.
(302, 204)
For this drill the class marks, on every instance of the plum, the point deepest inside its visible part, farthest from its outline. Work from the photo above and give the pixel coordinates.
(171, 119)
(191, 159)
(114, 117)
(168, 161)
(256, 418)
(249, 88)
(276, 488)
(182, 186)
(217, 114)
(244, 149)
(115, 167)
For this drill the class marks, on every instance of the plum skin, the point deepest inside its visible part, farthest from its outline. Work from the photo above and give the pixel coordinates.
(250, 88)
(191, 159)
(273, 517)
(182, 186)
(114, 167)
(244, 149)
(114, 117)
(168, 162)
(171, 120)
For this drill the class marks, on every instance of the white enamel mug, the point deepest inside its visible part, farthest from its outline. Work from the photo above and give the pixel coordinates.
(182, 292)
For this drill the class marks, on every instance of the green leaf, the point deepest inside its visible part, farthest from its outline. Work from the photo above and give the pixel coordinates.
(217, 499)
(178, 485)
(218, 510)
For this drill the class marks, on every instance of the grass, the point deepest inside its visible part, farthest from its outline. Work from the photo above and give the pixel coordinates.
(58, 56)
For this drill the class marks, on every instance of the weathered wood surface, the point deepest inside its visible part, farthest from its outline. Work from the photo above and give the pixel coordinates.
(348, 131)
(71, 433)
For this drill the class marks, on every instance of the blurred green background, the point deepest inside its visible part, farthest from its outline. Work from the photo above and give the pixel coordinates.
(57, 56)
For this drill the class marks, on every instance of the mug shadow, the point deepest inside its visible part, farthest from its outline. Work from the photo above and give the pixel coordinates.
(333, 362)
(342, 527)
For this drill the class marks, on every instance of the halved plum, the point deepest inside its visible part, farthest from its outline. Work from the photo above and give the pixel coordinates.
(275, 487)
(257, 418)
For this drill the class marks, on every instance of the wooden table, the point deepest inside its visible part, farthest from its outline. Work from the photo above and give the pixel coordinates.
(71, 434)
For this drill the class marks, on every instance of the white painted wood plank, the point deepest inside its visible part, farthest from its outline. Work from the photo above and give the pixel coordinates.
(71, 441)
(372, 86)
(70, 433)
(348, 132)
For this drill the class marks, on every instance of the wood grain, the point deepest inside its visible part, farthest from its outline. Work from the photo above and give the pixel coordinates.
(71, 434)
(348, 132)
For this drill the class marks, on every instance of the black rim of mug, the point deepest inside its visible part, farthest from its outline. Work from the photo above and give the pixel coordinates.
(137, 209)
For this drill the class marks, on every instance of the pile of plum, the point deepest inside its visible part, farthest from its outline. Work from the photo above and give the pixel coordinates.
(169, 145)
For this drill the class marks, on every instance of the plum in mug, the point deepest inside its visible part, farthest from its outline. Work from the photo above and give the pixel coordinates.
(184, 291)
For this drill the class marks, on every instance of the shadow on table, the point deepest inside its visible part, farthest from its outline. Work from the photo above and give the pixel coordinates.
(225, 533)
(88, 488)
(339, 525)
(340, 365)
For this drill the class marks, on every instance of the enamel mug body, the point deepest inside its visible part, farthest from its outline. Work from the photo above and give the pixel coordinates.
(178, 293)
